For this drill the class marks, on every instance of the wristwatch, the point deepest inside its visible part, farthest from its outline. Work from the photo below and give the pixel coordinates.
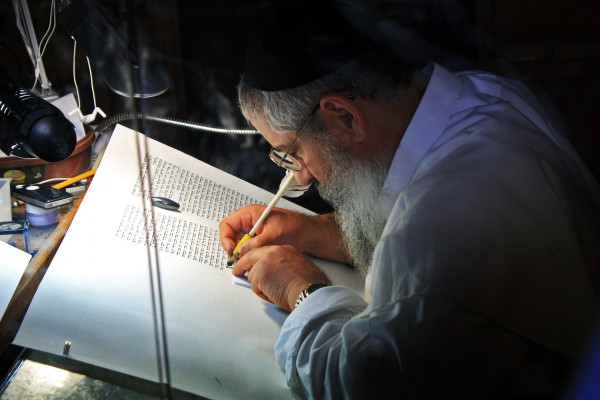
(309, 289)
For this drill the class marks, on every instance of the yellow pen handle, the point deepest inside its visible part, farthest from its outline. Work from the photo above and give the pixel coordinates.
(75, 179)
(284, 186)
(235, 255)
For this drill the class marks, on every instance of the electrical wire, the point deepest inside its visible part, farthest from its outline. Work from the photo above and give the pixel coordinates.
(44, 42)
(50, 31)
(91, 117)
(91, 81)
(78, 99)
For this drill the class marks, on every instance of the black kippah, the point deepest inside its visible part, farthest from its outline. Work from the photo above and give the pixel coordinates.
(299, 41)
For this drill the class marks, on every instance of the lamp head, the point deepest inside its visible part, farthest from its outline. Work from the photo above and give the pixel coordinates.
(37, 127)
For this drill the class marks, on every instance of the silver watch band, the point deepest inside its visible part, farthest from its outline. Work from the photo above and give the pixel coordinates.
(309, 289)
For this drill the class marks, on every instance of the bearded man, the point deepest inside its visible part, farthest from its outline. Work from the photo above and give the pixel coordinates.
(472, 218)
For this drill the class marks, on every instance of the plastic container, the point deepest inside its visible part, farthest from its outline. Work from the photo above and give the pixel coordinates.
(38, 216)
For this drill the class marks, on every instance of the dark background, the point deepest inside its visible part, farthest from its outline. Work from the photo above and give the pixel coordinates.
(551, 44)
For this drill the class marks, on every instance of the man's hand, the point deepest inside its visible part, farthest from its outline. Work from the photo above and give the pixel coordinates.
(280, 227)
(318, 236)
(279, 273)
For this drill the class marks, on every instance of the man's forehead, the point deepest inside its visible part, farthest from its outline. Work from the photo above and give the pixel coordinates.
(259, 122)
(279, 141)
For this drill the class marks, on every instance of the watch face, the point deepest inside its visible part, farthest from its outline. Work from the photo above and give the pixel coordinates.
(313, 287)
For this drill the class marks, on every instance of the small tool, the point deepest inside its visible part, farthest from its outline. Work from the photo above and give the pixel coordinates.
(289, 180)
(165, 203)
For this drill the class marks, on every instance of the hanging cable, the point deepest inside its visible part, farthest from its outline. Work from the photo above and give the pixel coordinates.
(44, 43)
(86, 119)
(50, 31)
(77, 98)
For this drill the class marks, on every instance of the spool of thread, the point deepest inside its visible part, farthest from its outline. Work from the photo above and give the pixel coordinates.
(38, 216)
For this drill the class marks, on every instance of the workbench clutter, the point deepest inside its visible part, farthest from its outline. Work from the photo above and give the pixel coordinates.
(42, 202)
(34, 170)
(41, 137)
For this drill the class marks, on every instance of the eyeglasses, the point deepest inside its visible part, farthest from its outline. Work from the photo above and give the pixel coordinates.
(286, 159)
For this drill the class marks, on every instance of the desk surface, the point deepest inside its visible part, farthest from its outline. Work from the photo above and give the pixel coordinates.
(45, 242)
(39, 236)
(23, 366)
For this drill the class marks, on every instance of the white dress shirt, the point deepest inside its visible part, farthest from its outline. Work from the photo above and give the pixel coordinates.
(488, 263)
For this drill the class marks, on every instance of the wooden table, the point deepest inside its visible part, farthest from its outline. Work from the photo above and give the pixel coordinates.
(46, 241)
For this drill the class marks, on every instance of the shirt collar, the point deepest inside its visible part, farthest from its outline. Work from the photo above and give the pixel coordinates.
(425, 127)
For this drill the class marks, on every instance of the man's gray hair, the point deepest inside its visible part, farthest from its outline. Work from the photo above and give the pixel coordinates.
(286, 110)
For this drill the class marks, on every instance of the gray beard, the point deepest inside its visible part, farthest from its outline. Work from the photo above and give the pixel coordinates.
(353, 189)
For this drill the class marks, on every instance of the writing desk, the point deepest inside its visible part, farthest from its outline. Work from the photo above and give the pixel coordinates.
(45, 242)
(56, 376)
(103, 304)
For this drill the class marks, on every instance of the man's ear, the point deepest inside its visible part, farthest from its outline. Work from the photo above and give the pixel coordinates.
(342, 114)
